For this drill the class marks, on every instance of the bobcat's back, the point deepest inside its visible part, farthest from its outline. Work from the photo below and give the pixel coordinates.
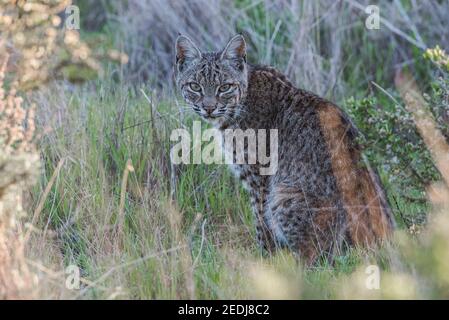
(323, 192)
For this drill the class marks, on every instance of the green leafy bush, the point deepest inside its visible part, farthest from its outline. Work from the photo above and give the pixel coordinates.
(392, 142)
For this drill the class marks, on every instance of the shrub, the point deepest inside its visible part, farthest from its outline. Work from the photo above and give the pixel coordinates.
(33, 51)
(391, 139)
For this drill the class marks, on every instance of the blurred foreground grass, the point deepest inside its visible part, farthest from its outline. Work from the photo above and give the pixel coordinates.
(139, 243)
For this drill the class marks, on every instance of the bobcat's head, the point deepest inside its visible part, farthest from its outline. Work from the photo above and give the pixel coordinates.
(213, 83)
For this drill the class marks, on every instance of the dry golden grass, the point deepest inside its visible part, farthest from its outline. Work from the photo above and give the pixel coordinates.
(33, 50)
(18, 170)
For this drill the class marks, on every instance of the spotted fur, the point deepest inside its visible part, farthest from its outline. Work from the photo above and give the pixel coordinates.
(323, 194)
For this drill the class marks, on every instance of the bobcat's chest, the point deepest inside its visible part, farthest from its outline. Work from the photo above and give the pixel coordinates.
(247, 173)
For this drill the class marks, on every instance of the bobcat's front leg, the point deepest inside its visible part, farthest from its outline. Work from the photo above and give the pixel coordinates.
(263, 233)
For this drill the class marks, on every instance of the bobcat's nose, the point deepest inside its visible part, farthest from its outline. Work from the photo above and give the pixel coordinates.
(209, 104)
(209, 108)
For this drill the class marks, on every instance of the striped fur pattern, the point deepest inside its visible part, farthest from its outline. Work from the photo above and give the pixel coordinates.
(323, 195)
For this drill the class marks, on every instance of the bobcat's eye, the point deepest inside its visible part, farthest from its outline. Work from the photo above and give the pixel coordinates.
(225, 87)
(195, 86)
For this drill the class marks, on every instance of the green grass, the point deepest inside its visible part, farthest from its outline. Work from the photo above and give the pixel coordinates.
(201, 245)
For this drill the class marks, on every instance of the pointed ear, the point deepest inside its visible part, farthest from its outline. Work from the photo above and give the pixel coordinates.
(186, 51)
(235, 49)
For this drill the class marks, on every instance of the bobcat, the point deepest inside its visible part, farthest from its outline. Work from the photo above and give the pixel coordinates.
(323, 195)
